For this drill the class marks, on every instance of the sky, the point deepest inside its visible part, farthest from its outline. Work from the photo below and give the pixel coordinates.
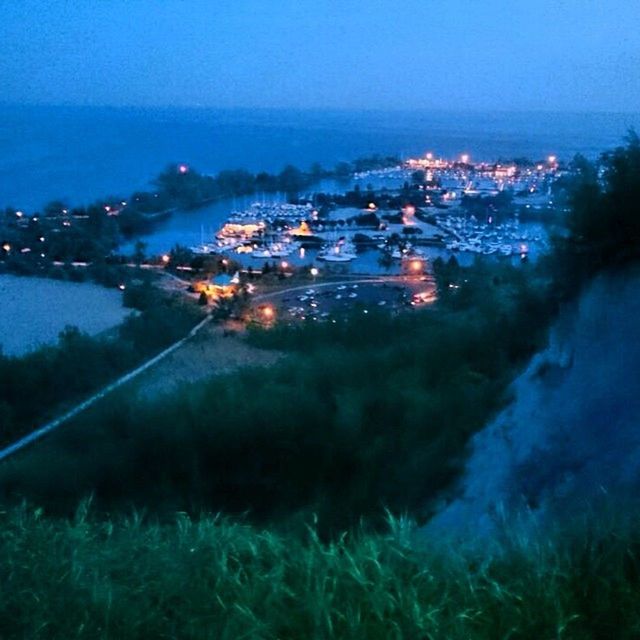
(550, 55)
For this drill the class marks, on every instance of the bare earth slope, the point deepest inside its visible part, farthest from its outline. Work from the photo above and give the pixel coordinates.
(573, 431)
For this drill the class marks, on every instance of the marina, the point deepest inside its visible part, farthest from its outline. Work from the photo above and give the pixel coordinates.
(427, 208)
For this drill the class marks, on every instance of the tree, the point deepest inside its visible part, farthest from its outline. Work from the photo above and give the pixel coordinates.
(291, 180)
(316, 171)
(603, 221)
(139, 252)
(342, 170)
(418, 177)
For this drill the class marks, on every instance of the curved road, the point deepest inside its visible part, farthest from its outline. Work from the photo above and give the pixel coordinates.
(50, 426)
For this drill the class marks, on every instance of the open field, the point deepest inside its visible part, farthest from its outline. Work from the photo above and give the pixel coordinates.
(33, 311)
(210, 352)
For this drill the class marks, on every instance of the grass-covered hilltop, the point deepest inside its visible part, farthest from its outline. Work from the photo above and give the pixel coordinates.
(290, 501)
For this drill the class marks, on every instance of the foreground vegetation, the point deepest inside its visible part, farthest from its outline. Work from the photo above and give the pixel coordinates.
(38, 385)
(214, 578)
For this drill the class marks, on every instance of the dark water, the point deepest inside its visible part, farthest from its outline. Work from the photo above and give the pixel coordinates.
(82, 153)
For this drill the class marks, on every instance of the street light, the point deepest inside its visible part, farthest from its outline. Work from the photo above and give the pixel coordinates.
(314, 271)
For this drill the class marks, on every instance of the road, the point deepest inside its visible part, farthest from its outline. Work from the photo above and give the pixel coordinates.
(52, 425)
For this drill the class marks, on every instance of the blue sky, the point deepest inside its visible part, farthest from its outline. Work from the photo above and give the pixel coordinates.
(571, 55)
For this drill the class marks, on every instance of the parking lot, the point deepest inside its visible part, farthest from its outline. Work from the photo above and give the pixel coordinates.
(327, 301)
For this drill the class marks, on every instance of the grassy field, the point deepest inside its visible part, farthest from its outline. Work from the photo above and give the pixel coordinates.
(210, 353)
(217, 578)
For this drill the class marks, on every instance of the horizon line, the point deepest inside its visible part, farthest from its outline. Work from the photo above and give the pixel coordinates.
(310, 109)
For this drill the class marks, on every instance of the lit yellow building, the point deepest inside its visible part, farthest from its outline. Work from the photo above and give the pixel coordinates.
(221, 286)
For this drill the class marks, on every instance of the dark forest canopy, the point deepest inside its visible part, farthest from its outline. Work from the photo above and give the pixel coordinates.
(603, 223)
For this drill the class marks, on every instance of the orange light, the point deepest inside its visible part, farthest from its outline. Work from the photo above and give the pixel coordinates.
(268, 312)
(416, 265)
(372, 205)
(7, 247)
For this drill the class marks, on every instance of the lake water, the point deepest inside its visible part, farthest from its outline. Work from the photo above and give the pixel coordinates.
(83, 153)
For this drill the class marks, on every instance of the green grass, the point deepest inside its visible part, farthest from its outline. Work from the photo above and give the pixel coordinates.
(217, 578)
